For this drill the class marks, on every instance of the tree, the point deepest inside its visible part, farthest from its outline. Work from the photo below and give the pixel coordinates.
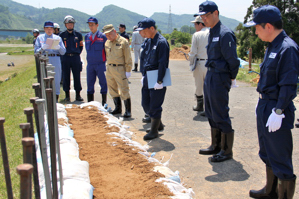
(29, 38)
(188, 29)
(246, 36)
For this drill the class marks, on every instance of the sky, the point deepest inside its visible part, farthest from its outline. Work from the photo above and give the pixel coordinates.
(235, 9)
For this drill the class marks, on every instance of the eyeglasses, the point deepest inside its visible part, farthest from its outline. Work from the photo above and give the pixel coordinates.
(205, 15)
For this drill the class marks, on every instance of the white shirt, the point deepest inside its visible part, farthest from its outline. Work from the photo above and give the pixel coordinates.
(198, 46)
(136, 39)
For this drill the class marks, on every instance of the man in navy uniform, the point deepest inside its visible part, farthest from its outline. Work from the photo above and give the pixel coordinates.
(73, 42)
(277, 88)
(96, 60)
(223, 66)
(156, 57)
(122, 30)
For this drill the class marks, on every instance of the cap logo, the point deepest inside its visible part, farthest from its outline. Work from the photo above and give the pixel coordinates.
(200, 8)
(140, 24)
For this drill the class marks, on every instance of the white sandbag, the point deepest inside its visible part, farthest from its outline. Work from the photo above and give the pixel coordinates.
(69, 149)
(179, 191)
(77, 170)
(73, 189)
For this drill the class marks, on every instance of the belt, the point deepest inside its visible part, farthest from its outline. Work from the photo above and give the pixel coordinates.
(116, 64)
(266, 97)
(53, 55)
(71, 54)
(201, 59)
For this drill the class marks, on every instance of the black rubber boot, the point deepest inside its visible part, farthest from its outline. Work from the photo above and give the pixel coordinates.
(67, 96)
(199, 106)
(226, 153)
(286, 188)
(104, 99)
(160, 128)
(155, 122)
(89, 97)
(117, 103)
(269, 191)
(215, 143)
(146, 119)
(136, 66)
(127, 103)
(78, 97)
(57, 97)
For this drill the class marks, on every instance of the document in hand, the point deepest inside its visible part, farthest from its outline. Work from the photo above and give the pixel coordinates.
(152, 77)
(52, 42)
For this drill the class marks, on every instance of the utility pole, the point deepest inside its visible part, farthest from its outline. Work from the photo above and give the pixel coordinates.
(169, 28)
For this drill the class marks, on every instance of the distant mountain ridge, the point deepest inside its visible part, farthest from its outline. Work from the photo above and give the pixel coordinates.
(29, 17)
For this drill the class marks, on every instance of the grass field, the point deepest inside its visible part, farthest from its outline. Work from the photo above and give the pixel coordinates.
(17, 50)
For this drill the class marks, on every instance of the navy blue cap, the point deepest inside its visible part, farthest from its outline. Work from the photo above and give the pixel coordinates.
(49, 24)
(92, 20)
(122, 25)
(145, 23)
(206, 7)
(264, 14)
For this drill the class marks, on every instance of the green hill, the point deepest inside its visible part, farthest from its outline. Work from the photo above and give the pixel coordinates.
(19, 16)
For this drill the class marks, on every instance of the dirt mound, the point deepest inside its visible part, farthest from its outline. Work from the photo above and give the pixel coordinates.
(177, 53)
(115, 171)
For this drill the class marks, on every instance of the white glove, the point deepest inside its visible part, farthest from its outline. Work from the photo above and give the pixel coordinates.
(158, 86)
(234, 83)
(274, 121)
(45, 46)
(128, 74)
(56, 47)
(142, 80)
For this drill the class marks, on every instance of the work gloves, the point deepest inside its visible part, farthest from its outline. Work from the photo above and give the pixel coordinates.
(56, 47)
(274, 121)
(234, 83)
(128, 74)
(158, 86)
(142, 80)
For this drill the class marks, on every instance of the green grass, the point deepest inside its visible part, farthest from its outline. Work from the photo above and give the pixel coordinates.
(15, 94)
(245, 76)
(17, 50)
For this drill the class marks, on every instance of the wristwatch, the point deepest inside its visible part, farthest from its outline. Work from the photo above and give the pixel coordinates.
(160, 82)
(278, 111)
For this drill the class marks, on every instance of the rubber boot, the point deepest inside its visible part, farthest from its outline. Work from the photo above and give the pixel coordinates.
(269, 191)
(89, 97)
(199, 106)
(286, 188)
(226, 153)
(146, 119)
(136, 66)
(155, 122)
(215, 143)
(78, 97)
(160, 128)
(104, 99)
(117, 103)
(67, 96)
(57, 97)
(127, 103)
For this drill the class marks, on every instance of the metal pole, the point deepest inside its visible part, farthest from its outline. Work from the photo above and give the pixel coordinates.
(250, 58)
(25, 129)
(52, 80)
(5, 160)
(25, 171)
(32, 100)
(37, 63)
(29, 112)
(40, 106)
(37, 89)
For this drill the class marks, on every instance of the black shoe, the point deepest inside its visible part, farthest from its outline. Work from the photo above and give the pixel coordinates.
(67, 96)
(199, 105)
(297, 125)
(146, 119)
(127, 103)
(104, 99)
(90, 97)
(117, 103)
(286, 188)
(155, 122)
(78, 97)
(269, 191)
(215, 146)
(226, 153)
(160, 128)
(135, 69)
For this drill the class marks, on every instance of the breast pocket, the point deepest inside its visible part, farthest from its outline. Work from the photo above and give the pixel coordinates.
(98, 46)
(118, 51)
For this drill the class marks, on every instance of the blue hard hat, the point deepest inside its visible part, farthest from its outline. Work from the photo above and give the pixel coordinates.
(264, 14)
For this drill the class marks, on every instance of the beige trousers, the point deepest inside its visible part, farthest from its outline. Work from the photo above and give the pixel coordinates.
(199, 75)
(117, 82)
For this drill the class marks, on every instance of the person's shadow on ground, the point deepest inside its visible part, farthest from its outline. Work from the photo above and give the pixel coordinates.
(159, 144)
(229, 170)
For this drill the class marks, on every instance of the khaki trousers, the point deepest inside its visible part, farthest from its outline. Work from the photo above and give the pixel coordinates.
(117, 82)
(199, 75)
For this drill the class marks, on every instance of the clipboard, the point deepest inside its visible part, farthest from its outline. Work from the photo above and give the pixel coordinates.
(52, 42)
(152, 77)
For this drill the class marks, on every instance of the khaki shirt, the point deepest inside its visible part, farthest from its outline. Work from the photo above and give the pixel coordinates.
(118, 52)
(198, 47)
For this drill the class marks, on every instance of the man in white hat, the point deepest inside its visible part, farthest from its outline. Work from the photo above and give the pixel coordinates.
(197, 57)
